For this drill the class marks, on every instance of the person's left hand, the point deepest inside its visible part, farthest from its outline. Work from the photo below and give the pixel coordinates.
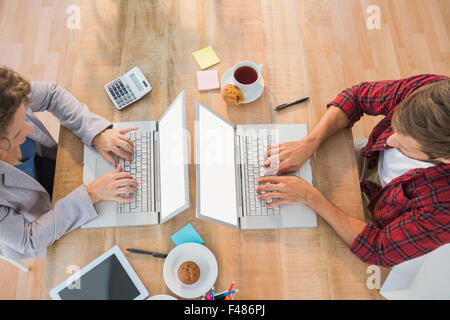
(284, 189)
(116, 142)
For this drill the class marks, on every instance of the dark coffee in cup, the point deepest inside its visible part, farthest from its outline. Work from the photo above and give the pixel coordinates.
(246, 75)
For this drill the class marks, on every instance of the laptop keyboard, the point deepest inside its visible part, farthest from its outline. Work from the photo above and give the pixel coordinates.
(254, 152)
(140, 169)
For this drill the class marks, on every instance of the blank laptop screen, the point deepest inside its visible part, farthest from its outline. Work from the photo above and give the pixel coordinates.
(216, 158)
(173, 159)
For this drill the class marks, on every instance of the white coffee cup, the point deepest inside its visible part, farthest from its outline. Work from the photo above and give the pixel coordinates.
(243, 86)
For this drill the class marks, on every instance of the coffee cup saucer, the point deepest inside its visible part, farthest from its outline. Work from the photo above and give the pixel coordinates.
(251, 94)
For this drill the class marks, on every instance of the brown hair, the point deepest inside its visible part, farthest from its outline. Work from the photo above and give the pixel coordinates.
(425, 116)
(14, 90)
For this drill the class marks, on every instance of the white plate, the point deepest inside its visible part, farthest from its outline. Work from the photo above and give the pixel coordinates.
(162, 297)
(199, 254)
(250, 94)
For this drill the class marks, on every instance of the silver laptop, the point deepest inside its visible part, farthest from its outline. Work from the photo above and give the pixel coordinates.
(160, 165)
(229, 160)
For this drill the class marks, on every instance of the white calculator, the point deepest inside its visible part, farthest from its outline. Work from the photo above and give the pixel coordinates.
(128, 88)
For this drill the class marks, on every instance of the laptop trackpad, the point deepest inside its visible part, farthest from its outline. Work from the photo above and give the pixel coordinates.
(102, 167)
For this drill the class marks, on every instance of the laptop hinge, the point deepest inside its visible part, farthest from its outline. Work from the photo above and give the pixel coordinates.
(239, 186)
(157, 177)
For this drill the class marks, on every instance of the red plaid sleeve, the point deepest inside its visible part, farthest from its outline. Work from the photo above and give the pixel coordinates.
(379, 97)
(413, 234)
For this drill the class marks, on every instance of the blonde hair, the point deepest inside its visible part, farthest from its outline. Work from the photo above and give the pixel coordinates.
(425, 116)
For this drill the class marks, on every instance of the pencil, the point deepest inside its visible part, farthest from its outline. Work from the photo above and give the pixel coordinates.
(223, 295)
(231, 287)
(212, 293)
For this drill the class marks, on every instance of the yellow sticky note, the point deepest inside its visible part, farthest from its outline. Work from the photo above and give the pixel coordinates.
(206, 57)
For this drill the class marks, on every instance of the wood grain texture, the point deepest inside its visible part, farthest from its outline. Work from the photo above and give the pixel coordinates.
(159, 37)
(309, 48)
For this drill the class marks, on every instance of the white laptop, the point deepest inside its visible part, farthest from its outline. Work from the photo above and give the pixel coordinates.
(160, 165)
(229, 160)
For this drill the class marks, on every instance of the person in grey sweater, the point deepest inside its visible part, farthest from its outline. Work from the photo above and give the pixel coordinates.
(28, 224)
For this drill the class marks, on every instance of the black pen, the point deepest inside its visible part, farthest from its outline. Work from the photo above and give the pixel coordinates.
(290, 104)
(155, 254)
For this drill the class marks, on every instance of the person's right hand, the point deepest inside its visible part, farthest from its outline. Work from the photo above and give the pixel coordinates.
(116, 185)
(288, 157)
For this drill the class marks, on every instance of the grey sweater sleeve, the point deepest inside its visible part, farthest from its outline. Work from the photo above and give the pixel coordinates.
(22, 239)
(71, 113)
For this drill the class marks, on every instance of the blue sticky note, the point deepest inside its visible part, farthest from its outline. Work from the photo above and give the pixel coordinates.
(186, 234)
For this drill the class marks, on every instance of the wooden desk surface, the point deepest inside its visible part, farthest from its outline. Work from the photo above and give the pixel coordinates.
(294, 40)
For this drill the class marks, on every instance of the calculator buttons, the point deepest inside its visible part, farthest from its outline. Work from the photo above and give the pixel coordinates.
(122, 93)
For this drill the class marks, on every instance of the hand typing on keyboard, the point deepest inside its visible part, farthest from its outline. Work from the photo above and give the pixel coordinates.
(286, 189)
(116, 185)
(254, 149)
(290, 156)
(112, 142)
(140, 168)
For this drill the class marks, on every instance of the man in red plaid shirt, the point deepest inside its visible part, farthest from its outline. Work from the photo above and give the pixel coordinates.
(409, 152)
